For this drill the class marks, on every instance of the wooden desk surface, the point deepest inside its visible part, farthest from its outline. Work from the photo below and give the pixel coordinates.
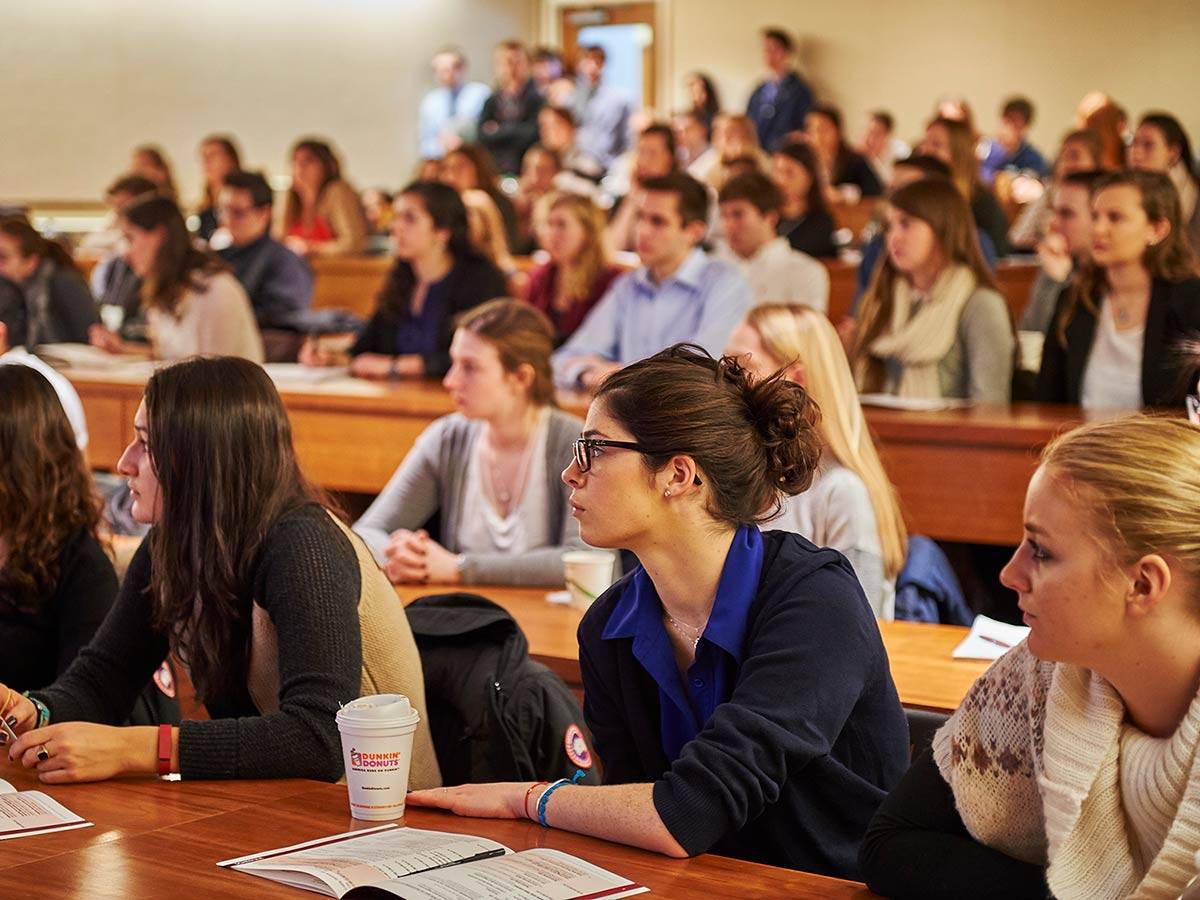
(175, 833)
(961, 474)
(925, 674)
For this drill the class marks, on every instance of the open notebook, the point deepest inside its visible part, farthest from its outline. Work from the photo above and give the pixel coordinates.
(415, 864)
(26, 813)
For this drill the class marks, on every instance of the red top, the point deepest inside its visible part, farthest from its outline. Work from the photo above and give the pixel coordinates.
(316, 233)
(543, 285)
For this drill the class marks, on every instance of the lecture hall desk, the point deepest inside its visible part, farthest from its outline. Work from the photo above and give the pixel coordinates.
(925, 674)
(153, 839)
(961, 473)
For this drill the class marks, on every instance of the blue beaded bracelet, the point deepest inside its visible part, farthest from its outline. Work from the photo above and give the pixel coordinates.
(580, 774)
(42, 711)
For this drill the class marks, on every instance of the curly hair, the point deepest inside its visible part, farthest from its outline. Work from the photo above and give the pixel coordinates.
(46, 492)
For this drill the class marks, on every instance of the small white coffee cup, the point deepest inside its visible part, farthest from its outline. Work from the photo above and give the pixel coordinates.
(589, 573)
(377, 738)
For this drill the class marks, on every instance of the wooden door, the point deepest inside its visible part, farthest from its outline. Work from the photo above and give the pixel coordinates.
(573, 19)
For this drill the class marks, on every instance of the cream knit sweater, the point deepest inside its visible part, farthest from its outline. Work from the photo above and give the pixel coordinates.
(1044, 767)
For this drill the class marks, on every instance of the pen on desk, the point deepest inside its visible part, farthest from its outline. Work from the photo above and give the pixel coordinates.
(486, 854)
(996, 641)
(9, 733)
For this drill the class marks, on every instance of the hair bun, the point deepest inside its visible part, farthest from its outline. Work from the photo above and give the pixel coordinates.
(786, 420)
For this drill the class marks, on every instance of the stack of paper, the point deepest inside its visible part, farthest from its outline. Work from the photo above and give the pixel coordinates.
(989, 639)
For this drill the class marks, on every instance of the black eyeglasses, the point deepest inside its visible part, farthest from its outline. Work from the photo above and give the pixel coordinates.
(584, 447)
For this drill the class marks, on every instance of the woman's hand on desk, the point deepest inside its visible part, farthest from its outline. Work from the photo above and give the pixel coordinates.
(378, 367)
(413, 557)
(503, 800)
(101, 337)
(83, 751)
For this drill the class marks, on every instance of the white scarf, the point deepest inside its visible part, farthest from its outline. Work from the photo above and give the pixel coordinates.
(1033, 758)
(919, 342)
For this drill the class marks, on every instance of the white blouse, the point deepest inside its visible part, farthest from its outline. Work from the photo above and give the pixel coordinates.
(1112, 377)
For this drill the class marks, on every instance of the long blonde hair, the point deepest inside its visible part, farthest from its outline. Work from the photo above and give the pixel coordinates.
(487, 229)
(1140, 483)
(792, 333)
(579, 278)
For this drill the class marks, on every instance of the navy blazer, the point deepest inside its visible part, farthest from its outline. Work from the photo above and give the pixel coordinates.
(788, 770)
(774, 120)
(1173, 315)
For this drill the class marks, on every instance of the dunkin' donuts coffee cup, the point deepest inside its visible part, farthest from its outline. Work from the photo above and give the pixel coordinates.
(589, 573)
(377, 738)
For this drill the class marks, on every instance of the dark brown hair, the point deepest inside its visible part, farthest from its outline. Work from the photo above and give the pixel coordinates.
(1087, 139)
(753, 441)
(229, 148)
(938, 203)
(522, 336)
(31, 243)
(330, 166)
(756, 189)
(133, 185)
(221, 444)
(46, 493)
(179, 266)
(159, 160)
(691, 195)
(802, 154)
(1171, 259)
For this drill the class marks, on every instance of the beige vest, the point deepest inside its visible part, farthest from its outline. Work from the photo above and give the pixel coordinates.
(390, 661)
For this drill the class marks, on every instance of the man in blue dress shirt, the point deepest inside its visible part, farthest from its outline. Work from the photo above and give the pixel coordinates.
(779, 104)
(602, 110)
(449, 114)
(679, 293)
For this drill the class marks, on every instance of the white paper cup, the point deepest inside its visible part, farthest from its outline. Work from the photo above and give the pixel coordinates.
(112, 316)
(377, 738)
(588, 574)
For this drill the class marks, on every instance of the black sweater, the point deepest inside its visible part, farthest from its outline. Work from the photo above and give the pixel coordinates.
(39, 646)
(1172, 317)
(918, 847)
(472, 281)
(790, 770)
(307, 580)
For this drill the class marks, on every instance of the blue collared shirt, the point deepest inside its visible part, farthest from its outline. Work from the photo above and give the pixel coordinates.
(443, 110)
(604, 112)
(702, 302)
(687, 702)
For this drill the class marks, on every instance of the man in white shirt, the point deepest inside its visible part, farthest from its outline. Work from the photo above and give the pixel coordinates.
(13, 352)
(449, 113)
(750, 205)
(697, 156)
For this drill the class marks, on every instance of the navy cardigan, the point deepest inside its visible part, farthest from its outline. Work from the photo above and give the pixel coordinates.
(790, 769)
(1172, 317)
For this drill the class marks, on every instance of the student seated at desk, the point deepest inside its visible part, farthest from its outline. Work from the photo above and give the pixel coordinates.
(954, 144)
(276, 608)
(1161, 145)
(750, 205)
(491, 469)
(278, 282)
(679, 293)
(851, 506)
(112, 282)
(469, 168)
(322, 215)
(61, 308)
(735, 683)
(1070, 769)
(149, 161)
(194, 305)
(932, 324)
(1113, 342)
(56, 583)
(847, 176)
(13, 331)
(438, 274)
(803, 219)
(578, 273)
(219, 158)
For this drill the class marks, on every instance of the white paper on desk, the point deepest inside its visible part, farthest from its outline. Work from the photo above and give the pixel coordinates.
(989, 639)
(540, 874)
(84, 356)
(6, 788)
(296, 373)
(27, 813)
(912, 404)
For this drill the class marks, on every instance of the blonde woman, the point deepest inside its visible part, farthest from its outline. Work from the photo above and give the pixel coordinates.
(578, 272)
(851, 506)
(1070, 769)
(735, 138)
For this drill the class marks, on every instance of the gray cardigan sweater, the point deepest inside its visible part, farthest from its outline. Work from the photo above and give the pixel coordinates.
(433, 478)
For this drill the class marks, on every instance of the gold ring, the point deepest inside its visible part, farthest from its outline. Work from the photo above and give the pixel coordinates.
(43, 754)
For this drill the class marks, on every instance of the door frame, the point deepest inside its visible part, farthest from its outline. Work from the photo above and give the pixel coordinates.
(549, 32)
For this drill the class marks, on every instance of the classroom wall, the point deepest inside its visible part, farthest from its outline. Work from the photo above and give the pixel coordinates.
(863, 54)
(83, 81)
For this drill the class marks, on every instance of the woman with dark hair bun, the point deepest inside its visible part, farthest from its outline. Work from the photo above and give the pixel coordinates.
(735, 682)
(278, 611)
(56, 583)
(438, 274)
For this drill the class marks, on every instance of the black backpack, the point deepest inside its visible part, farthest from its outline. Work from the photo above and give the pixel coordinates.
(494, 713)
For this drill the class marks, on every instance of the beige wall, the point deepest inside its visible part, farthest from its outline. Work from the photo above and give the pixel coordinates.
(82, 81)
(862, 54)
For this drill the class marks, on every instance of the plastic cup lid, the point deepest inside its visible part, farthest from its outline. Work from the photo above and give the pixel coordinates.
(378, 710)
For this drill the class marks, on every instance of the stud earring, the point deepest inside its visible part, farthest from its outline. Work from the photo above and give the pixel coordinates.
(667, 492)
